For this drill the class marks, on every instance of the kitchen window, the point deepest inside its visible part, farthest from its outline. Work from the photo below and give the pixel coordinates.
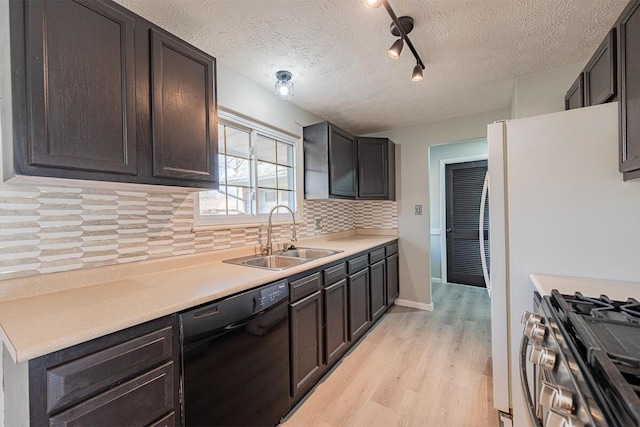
(257, 171)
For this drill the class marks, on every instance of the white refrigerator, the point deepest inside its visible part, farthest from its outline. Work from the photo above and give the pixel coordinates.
(557, 205)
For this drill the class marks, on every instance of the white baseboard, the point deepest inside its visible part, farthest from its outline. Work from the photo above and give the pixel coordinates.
(436, 280)
(414, 304)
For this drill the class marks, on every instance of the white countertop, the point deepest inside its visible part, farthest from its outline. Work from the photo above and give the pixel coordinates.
(614, 289)
(36, 325)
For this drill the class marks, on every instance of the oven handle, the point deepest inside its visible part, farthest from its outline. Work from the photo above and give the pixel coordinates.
(524, 380)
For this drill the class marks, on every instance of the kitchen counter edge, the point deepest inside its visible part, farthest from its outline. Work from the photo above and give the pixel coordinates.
(614, 289)
(41, 324)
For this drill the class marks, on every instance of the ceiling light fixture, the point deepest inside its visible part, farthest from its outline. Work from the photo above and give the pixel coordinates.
(400, 27)
(417, 73)
(395, 49)
(284, 85)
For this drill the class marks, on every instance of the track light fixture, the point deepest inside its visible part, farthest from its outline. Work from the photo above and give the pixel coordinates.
(284, 85)
(400, 27)
(395, 49)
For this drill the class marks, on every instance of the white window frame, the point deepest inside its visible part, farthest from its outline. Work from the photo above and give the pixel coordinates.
(281, 215)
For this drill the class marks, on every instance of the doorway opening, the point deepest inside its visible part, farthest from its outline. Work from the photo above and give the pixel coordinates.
(456, 174)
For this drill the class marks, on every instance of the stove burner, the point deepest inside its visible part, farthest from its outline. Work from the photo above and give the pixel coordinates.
(632, 308)
(603, 307)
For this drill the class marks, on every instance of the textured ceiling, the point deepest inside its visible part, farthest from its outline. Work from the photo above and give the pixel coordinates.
(336, 50)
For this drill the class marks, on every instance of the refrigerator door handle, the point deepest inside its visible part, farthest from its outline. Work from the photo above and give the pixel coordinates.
(483, 256)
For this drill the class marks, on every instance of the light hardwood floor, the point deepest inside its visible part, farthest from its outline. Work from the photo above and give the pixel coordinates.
(413, 369)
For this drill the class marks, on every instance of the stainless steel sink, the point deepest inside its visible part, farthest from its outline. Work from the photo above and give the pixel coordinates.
(274, 262)
(282, 260)
(309, 253)
(269, 262)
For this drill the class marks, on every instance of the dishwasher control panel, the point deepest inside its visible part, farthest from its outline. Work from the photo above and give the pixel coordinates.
(270, 295)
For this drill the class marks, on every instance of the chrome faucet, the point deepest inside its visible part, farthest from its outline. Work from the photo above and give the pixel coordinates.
(267, 249)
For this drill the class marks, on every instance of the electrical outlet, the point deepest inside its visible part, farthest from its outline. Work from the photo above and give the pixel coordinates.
(418, 209)
(318, 223)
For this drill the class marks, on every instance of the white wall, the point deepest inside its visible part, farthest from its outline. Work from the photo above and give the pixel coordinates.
(436, 154)
(412, 169)
(543, 92)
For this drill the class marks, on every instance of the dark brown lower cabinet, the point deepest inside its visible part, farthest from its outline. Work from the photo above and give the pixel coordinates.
(305, 317)
(378, 289)
(130, 377)
(393, 282)
(336, 321)
(358, 303)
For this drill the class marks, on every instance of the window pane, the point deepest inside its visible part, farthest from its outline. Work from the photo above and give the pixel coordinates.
(221, 129)
(266, 148)
(237, 142)
(239, 200)
(287, 198)
(285, 178)
(213, 202)
(266, 175)
(285, 154)
(267, 199)
(222, 176)
(238, 171)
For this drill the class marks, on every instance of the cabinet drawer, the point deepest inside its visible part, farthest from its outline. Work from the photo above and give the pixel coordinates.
(305, 286)
(358, 263)
(392, 248)
(376, 256)
(140, 401)
(168, 420)
(334, 274)
(81, 378)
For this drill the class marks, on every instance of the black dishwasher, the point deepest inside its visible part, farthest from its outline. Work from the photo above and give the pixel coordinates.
(235, 359)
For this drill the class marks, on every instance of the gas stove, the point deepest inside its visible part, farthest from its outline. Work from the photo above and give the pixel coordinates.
(584, 355)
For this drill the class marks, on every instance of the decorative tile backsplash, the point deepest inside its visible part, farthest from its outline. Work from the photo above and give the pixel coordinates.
(51, 229)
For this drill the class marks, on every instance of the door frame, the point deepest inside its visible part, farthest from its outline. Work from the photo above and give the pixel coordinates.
(443, 204)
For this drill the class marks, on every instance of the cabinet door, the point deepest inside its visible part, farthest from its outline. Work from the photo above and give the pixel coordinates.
(575, 95)
(342, 164)
(378, 289)
(336, 327)
(183, 111)
(393, 282)
(629, 69)
(80, 90)
(358, 304)
(306, 343)
(600, 73)
(373, 168)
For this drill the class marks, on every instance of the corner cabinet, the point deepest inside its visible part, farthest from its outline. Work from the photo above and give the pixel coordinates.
(130, 377)
(329, 162)
(99, 93)
(376, 169)
(628, 30)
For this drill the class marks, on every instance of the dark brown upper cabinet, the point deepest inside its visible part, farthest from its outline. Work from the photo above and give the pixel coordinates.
(628, 33)
(99, 93)
(80, 90)
(376, 169)
(183, 110)
(329, 162)
(575, 95)
(600, 73)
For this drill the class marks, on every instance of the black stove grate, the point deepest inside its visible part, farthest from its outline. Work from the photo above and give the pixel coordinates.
(606, 334)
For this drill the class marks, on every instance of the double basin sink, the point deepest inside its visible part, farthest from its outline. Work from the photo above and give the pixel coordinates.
(283, 259)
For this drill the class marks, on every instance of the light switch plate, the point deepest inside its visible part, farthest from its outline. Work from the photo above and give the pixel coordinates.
(418, 209)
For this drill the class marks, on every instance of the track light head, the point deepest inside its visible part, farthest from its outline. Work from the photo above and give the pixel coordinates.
(417, 73)
(373, 3)
(395, 49)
